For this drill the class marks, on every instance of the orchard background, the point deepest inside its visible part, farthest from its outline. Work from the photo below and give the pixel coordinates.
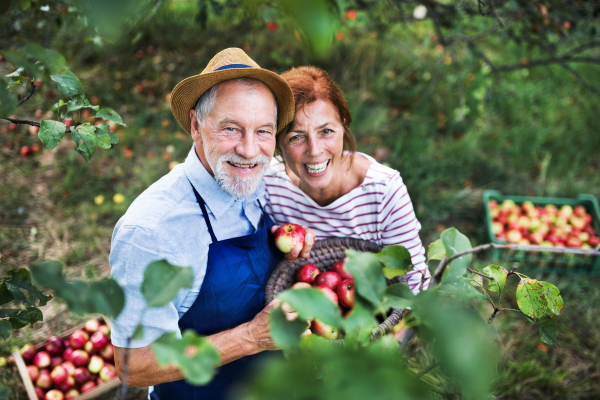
(459, 96)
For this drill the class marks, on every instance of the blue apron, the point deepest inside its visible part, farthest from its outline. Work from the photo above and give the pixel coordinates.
(232, 293)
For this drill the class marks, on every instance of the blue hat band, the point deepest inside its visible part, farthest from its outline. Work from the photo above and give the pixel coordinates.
(232, 66)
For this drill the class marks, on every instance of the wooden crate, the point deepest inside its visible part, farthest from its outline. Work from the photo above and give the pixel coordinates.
(29, 386)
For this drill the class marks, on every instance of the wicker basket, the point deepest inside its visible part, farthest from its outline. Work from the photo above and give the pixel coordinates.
(324, 254)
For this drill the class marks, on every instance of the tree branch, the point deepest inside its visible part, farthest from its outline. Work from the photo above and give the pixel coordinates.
(493, 316)
(480, 274)
(496, 14)
(32, 83)
(585, 83)
(22, 121)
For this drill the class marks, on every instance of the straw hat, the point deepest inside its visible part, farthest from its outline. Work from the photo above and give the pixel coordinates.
(229, 64)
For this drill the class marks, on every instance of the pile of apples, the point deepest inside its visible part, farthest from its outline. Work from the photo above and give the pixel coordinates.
(67, 367)
(550, 226)
(337, 284)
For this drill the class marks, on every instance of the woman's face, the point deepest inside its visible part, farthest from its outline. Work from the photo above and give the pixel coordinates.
(313, 148)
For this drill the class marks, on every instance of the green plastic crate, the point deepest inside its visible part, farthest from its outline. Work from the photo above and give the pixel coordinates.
(549, 259)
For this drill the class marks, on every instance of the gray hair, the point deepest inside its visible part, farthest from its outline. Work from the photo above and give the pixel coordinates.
(206, 102)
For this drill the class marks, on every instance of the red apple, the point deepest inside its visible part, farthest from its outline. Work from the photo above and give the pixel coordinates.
(89, 347)
(497, 228)
(33, 371)
(99, 340)
(565, 212)
(44, 381)
(59, 375)
(42, 359)
(86, 387)
(594, 241)
(25, 151)
(577, 222)
(514, 236)
(345, 292)
(55, 395)
(329, 279)
(35, 148)
(579, 211)
(307, 273)
(272, 26)
(104, 329)
(28, 352)
(527, 206)
(494, 213)
(323, 330)
(288, 236)
(552, 238)
(82, 375)
(69, 367)
(91, 326)
(69, 383)
(329, 293)
(297, 285)
(584, 236)
(72, 394)
(69, 122)
(78, 339)
(34, 130)
(39, 112)
(551, 209)
(80, 358)
(96, 364)
(536, 238)
(55, 361)
(493, 204)
(66, 344)
(338, 267)
(573, 242)
(108, 352)
(108, 372)
(40, 393)
(67, 354)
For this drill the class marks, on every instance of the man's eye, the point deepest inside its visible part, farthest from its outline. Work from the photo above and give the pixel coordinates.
(263, 131)
(230, 129)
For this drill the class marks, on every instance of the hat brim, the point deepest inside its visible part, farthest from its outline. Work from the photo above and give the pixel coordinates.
(187, 92)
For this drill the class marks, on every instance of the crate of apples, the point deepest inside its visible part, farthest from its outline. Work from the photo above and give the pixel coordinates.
(337, 284)
(548, 225)
(79, 364)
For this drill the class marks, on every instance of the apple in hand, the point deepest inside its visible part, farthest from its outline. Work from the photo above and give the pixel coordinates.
(28, 352)
(42, 359)
(80, 358)
(54, 345)
(288, 236)
(54, 395)
(329, 279)
(323, 330)
(59, 375)
(338, 267)
(307, 273)
(108, 372)
(96, 364)
(345, 292)
(329, 293)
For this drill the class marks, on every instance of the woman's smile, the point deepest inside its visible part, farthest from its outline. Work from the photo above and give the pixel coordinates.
(317, 169)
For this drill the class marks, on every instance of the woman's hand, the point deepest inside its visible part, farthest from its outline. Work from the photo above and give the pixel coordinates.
(300, 250)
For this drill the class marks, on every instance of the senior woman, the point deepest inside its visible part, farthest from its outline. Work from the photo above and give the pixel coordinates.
(322, 182)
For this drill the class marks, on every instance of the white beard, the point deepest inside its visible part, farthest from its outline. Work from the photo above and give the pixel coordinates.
(234, 185)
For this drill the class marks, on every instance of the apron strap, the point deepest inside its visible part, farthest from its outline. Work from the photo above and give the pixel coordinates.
(205, 215)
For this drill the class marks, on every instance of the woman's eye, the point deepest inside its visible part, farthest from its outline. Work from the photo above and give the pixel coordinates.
(295, 138)
(327, 130)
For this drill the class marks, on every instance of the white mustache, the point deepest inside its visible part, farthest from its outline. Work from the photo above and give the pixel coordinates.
(237, 159)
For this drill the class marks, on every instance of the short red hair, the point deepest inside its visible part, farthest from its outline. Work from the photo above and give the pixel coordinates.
(310, 84)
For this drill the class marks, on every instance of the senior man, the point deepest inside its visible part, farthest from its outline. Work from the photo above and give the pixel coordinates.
(208, 214)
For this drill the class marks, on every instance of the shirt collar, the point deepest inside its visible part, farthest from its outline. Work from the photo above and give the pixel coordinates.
(216, 199)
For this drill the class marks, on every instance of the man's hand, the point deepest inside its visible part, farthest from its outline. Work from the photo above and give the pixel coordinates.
(300, 250)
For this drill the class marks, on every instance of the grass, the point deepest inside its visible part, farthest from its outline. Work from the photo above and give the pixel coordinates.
(531, 133)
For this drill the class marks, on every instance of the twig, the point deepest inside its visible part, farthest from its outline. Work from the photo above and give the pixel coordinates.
(479, 4)
(22, 121)
(585, 83)
(123, 394)
(493, 315)
(427, 370)
(439, 270)
(28, 94)
(496, 14)
(473, 271)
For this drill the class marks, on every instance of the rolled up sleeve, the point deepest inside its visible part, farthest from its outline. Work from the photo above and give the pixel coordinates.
(133, 248)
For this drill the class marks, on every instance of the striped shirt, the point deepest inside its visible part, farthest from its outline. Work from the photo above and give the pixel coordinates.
(378, 210)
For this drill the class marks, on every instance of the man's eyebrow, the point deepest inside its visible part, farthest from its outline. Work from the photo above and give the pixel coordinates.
(228, 121)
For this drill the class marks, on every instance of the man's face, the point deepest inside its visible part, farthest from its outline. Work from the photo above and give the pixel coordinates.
(237, 141)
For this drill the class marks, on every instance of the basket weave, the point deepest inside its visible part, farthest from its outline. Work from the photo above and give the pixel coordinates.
(324, 254)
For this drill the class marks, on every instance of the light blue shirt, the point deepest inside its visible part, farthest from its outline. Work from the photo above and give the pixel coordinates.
(166, 222)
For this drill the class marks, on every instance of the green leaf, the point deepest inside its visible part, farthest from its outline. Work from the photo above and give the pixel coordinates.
(103, 136)
(19, 318)
(162, 282)
(138, 333)
(454, 243)
(499, 274)
(398, 296)
(8, 100)
(102, 297)
(51, 133)
(56, 107)
(555, 301)
(312, 303)
(436, 250)
(53, 61)
(110, 115)
(531, 298)
(20, 62)
(84, 138)
(547, 328)
(69, 85)
(194, 355)
(368, 275)
(286, 334)
(16, 78)
(21, 288)
(5, 296)
(78, 103)
(359, 324)
(395, 258)
(5, 329)
(460, 289)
